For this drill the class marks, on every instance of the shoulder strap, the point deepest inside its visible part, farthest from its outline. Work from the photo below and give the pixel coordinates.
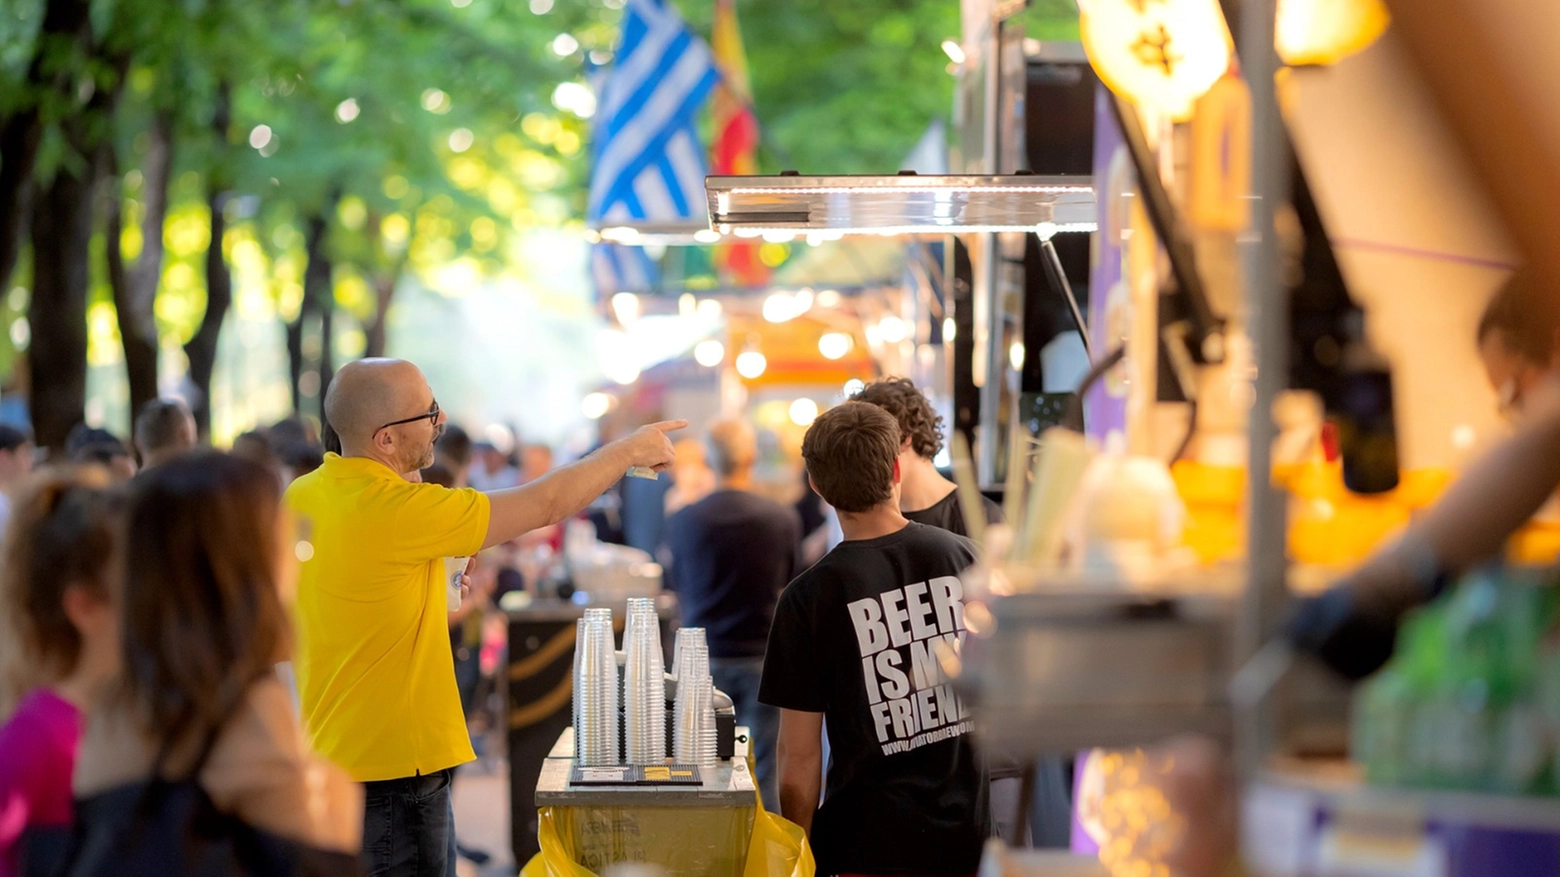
(208, 741)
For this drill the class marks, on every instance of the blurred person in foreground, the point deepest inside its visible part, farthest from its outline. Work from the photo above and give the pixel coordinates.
(855, 642)
(59, 648)
(207, 572)
(375, 672)
(164, 428)
(1353, 627)
(16, 462)
(732, 552)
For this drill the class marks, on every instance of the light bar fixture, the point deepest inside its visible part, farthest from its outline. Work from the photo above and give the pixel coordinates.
(904, 204)
(638, 233)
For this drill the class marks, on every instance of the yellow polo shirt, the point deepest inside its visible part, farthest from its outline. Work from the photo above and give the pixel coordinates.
(376, 680)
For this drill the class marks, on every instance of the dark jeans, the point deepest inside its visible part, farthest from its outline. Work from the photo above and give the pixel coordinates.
(739, 678)
(409, 826)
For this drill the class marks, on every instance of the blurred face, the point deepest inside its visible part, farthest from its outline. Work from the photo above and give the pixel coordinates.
(122, 467)
(493, 461)
(187, 433)
(538, 460)
(1510, 374)
(16, 463)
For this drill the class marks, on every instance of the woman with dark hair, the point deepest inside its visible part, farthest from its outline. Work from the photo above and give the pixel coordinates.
(208, 554)
(57, 639)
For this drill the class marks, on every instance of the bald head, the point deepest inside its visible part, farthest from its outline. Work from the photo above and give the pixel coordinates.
(369, 393)
(733, 447)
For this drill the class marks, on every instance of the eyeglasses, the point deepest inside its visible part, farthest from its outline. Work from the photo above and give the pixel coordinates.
(432, 417)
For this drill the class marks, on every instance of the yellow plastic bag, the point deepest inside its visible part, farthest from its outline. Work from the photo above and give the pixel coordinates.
(779, 848)
(554, 860)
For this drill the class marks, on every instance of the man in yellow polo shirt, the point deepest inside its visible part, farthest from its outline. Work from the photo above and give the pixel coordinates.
(376, 680)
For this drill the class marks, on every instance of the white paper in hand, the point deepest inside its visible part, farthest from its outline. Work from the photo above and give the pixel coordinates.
(454, 569)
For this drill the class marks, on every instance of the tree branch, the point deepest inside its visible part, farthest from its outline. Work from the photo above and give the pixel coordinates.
(202, 347)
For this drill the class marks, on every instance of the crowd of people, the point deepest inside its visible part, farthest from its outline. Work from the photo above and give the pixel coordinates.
(149, 598)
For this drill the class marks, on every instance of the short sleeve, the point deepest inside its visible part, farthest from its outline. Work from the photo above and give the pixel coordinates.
(792, 674)
(433, 521)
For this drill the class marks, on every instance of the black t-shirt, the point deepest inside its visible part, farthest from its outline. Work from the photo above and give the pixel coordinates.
(947, 514)
(732, 553)
(853, 638)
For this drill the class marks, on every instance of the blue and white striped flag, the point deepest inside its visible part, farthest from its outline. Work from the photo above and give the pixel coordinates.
(649, 163)
(616, 268)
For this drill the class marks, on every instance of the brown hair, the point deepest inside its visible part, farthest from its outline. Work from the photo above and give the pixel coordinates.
(162, 424)
(202, 617)
(917, 421)
(850, 451)
(64, 527)
(1526, 317)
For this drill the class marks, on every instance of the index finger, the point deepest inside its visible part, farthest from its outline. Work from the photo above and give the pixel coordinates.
(669, 425)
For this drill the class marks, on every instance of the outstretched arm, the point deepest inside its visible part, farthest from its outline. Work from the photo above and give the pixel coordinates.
(563, 492)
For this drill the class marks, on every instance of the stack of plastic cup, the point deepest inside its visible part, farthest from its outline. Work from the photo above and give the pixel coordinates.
(579, 650)
(595, 691)
(644, 686)
(693, 714)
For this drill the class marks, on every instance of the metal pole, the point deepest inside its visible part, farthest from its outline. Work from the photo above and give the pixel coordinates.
(1058, 275)
(990, 319)
(1267, 324)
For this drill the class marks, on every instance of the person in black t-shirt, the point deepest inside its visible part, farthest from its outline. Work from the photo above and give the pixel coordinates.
(855, 641)
(731, 553)
(925, 496)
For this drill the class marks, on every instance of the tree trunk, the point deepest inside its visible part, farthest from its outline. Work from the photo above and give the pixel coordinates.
(295, 356)
(65, 22)
(385, 282)
(57, 356)
(61, 221)
(18, 149)
(135, 286)
(378, 328)
(202, 348)
(319, 300)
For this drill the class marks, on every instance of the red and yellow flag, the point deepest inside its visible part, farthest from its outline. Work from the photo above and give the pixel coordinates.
(735, 146)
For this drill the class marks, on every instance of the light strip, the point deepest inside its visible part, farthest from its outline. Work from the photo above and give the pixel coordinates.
(744, 231)
(910, 190)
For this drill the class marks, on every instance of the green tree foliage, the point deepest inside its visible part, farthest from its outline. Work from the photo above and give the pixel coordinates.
(343, 145)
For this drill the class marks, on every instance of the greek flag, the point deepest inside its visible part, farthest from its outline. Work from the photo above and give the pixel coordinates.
(616, 268)
(649, 163)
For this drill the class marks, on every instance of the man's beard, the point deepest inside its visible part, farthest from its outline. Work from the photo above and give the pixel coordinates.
(422, 460)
